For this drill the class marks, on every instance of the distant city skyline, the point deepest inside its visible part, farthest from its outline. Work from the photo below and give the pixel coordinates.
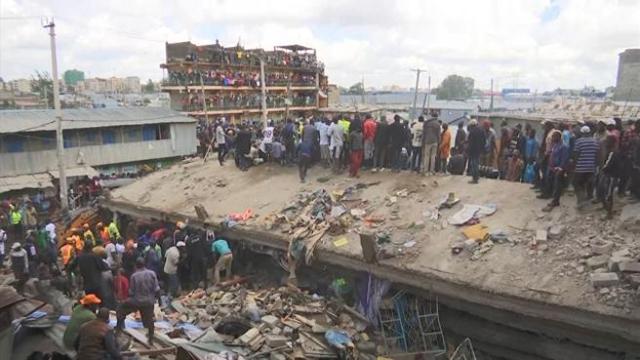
(535, 44)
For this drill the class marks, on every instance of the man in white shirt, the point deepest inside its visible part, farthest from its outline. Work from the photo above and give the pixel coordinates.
(416, 144)
(267, 138)
(51, 229)
(172, 258)
(336, 135)
(323, 130)
(222, 142)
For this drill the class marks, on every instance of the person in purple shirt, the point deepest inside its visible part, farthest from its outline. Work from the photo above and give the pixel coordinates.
(556, 172)
(143, 288)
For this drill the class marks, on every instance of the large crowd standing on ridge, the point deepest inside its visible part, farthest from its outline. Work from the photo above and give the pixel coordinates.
(597, 158)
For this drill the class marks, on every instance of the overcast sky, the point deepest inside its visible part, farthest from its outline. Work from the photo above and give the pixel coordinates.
(539, 44)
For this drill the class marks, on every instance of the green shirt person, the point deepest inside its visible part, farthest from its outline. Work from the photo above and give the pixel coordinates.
(82, 313)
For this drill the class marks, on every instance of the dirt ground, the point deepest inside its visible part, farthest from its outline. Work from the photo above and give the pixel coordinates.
(552, 271)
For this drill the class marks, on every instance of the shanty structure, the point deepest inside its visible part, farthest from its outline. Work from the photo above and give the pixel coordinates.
(94, 139)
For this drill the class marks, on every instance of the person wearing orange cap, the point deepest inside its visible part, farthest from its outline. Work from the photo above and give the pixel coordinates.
(82, 313)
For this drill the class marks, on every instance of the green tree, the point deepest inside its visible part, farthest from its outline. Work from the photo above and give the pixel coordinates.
(149, 87)
(42, 85)
(455, 87)
(356, 88)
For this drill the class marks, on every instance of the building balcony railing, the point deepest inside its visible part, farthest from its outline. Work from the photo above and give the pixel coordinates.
(312, 66)
(238, 84)
(250, 105)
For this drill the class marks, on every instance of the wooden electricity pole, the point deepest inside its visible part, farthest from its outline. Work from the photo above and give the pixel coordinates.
(64, 202)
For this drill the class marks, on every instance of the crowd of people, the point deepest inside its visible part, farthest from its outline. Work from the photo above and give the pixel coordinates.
(122, 271)
(245, 100)
(595, 157)
(238, 56)
(237, 78)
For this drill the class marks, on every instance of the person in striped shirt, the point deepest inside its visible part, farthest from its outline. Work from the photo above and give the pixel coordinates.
(585, 153)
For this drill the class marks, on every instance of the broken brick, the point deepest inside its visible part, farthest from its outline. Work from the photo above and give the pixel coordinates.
(630, 266)
(275, 341)
(597, 261)
(604, 279)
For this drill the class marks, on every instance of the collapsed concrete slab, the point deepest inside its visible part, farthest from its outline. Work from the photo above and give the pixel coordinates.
(506, 284)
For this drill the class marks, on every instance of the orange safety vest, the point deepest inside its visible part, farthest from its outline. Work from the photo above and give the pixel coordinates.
(104, 235)
(79, 243)
(67, 253)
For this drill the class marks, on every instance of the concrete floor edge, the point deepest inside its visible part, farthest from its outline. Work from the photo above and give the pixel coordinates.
(592, 329)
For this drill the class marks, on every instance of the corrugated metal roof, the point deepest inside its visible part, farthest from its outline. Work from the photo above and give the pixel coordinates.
(44, 120)
(76, 171)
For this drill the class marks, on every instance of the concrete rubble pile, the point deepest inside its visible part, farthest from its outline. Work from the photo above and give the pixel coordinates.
(276, 323)
(600, 253)
(315, 214)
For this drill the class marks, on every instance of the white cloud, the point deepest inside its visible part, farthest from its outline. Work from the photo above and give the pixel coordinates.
(380, 40)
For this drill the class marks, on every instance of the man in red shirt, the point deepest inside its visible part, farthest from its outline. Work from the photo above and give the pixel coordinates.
(121, 286)
(369, 128)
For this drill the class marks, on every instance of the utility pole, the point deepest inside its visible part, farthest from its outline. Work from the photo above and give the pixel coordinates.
(415, 93)
(427, 97)
(491, 103)
(204, 97)
(263, 87)
(363, 91)
(64, 202)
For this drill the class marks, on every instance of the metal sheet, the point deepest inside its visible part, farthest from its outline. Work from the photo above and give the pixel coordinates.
(77, 171)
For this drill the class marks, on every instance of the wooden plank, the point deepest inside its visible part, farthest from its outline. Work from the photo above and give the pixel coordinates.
(150, 352)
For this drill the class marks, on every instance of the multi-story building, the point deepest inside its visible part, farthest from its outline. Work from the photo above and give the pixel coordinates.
(97, 85)
(628, 80)
(132, 84)
(20, 86)
(217, 81)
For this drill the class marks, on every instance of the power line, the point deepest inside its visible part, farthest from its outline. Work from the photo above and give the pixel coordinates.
(124, 120)
(19, 17)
